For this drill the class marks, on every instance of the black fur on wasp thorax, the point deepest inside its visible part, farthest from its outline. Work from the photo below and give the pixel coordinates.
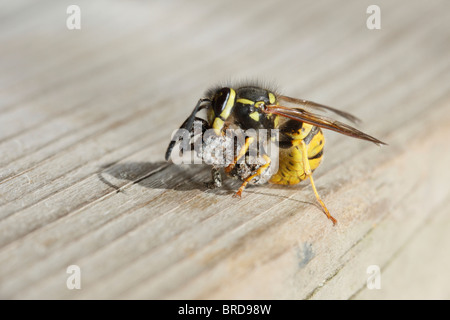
(252, 107)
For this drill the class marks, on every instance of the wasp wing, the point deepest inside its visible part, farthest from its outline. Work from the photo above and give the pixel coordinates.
(312, 106)
(319, 121)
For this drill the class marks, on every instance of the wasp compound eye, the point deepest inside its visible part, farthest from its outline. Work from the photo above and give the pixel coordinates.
(222, 102)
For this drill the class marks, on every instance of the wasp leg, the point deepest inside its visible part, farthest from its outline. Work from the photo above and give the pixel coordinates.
(242, 152)
(258, 172)
(307, 170)
(216, 179)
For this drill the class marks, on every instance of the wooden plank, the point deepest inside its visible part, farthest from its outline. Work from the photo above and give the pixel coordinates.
(86, 115)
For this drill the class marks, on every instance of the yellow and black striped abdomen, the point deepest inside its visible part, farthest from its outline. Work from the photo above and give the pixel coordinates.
(291, 169)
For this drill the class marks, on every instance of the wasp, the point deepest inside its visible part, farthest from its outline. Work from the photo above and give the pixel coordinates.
(300, 139)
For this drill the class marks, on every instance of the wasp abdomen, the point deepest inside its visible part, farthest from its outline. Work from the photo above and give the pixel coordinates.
(291, 167)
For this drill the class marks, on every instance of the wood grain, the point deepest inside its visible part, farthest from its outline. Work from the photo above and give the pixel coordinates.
(86, 115)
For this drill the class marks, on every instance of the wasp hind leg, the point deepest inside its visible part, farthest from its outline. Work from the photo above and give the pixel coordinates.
(308, 173)
(257, 173)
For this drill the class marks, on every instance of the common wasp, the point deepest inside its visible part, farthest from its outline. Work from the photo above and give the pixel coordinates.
(297, 124)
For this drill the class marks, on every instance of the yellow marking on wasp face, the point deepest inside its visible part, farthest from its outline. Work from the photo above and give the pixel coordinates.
(254, 116)
(218, 125)
(245, 101)
(258, 104)
(272, 98)
(229, 106)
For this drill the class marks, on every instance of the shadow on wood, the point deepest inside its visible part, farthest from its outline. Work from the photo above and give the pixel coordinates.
(159, 175)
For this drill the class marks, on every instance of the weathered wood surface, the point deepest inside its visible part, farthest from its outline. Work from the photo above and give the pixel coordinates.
(86, 115)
